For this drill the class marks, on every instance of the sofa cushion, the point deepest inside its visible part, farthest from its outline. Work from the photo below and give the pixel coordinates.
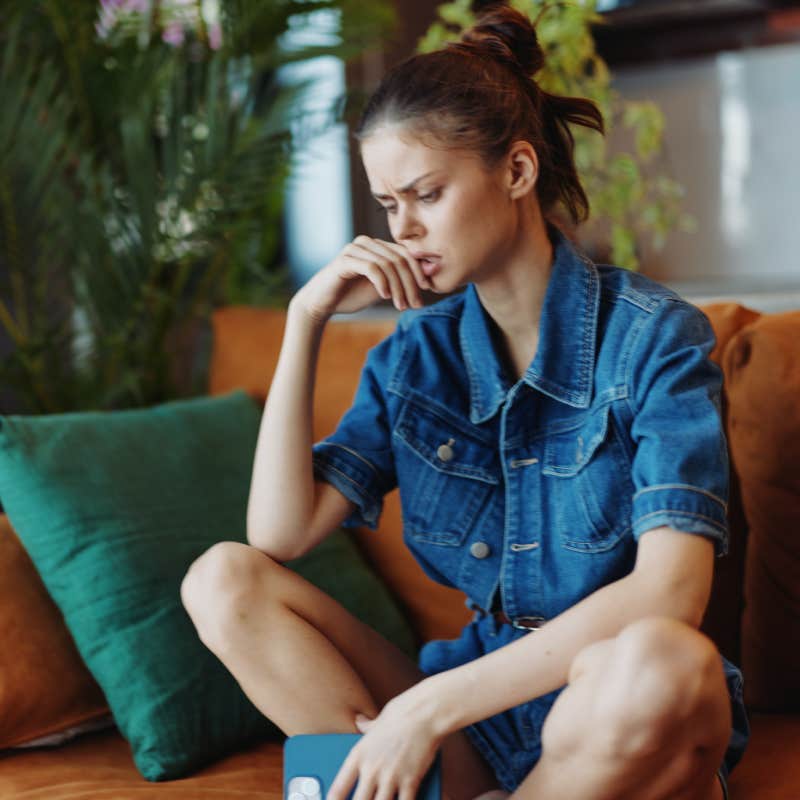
(768, 769)
(113, 507)
(45, 688)
(762, 366)
(246, 344)
(727, 319)
(723, 617)
(99, 766)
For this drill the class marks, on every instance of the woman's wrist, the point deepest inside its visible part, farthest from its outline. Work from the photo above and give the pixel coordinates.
(299, 309)
(438, 704)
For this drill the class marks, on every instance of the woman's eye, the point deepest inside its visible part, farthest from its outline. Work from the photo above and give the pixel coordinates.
(430, 197)
(387, 209)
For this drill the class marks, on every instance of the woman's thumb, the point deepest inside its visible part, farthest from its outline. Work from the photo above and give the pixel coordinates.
(362, 722)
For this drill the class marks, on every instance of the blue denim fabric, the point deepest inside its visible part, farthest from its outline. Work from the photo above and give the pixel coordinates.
(532, 493)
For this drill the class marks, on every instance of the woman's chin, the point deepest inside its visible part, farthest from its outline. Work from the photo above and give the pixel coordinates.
(442, 283)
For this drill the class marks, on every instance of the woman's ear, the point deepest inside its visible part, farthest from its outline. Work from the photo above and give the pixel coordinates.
(522, 169)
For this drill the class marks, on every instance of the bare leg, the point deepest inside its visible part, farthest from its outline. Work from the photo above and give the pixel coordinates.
(645, 716)
(302, 658)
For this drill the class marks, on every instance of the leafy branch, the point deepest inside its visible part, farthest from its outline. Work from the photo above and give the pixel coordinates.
(144, 149)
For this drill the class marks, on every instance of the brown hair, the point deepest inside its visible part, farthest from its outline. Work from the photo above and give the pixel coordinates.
(479, 94)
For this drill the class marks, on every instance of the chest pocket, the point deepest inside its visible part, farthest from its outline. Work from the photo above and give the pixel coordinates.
(590, 488)
(445, 472)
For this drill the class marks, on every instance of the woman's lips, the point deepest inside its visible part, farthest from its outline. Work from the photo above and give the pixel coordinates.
(429, 264)
(430, 268)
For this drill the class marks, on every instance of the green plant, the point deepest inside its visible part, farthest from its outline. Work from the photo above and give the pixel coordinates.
(630, 192)
(144, 148)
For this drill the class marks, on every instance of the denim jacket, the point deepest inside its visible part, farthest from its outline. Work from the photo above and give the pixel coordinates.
(530, 494)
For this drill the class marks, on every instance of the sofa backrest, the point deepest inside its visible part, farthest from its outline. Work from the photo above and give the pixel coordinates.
(722, 621)
(762, 369)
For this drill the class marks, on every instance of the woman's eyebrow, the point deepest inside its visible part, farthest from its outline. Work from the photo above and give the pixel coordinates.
(405, 190)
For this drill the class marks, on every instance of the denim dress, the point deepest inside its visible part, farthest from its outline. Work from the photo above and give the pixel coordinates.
(530, 494)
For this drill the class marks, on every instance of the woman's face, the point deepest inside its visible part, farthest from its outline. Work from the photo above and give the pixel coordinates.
(441, 204)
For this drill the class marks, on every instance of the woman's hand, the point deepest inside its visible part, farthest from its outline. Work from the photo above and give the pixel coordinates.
(365, 271)
(395, 753)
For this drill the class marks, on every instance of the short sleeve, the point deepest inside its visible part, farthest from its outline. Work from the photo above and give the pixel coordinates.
(680, 462)
(357, 458)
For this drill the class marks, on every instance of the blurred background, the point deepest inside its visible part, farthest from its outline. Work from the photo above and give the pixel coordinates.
(162, 159)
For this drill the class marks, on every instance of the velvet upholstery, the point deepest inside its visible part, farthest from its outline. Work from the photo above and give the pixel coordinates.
(44, 685)
(723, 615)
(763, 371)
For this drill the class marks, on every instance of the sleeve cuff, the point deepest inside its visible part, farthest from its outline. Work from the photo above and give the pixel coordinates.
(684, 508)
(349, 474)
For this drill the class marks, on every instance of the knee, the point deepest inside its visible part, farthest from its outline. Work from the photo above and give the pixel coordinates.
(661, 677)
(220, 584)
(665, 659)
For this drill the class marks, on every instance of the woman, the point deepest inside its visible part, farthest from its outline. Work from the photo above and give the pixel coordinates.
(554, 431)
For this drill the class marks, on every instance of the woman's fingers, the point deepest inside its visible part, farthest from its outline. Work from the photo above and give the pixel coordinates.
(374, 274)
(391, 266)
(416, 267)
(364, 268)
(408, 790)
(386, 791)
(389, 270)
(409, 270)
(367, 787)
(345, 779)
(394, 257)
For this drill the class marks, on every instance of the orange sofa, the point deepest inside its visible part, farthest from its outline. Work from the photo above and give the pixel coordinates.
(754, 614)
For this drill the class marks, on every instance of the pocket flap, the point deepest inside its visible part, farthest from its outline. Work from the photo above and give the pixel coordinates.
(446, 446)
(566, 453)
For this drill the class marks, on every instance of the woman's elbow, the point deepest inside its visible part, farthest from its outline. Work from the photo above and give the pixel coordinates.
(269, 540)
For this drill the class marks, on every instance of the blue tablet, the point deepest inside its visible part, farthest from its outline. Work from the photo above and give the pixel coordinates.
(311, 762)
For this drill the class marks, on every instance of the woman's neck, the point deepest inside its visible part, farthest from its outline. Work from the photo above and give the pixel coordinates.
(514, 295)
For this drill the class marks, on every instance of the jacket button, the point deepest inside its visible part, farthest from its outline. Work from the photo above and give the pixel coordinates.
(444, 451)
(480, 549)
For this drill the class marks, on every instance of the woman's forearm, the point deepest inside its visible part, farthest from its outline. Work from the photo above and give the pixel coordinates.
(538, 662)
(287, 513)
(281, 499)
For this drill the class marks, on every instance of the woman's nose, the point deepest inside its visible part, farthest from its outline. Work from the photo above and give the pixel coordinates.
(406, 225)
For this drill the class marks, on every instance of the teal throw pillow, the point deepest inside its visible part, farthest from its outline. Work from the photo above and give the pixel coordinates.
(113, 507)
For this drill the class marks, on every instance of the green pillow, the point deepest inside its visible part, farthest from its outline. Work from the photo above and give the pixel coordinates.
(113, 507)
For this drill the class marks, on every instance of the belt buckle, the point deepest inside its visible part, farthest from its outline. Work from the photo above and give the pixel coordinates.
(528, 623)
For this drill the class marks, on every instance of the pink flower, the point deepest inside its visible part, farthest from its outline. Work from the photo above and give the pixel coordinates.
(174, 34)
(215, 36)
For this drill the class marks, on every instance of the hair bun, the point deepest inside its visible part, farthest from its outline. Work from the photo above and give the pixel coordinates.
(506, 34)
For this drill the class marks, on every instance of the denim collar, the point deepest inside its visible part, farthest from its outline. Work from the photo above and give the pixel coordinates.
(563, 367)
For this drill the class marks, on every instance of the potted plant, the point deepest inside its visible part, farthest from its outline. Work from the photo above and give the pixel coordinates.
(144, 147)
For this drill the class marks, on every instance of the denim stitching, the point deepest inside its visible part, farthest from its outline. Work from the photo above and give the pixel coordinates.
(638, 334)
(352, 452)
(673, 512)
(683, 486)
(370, 506)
